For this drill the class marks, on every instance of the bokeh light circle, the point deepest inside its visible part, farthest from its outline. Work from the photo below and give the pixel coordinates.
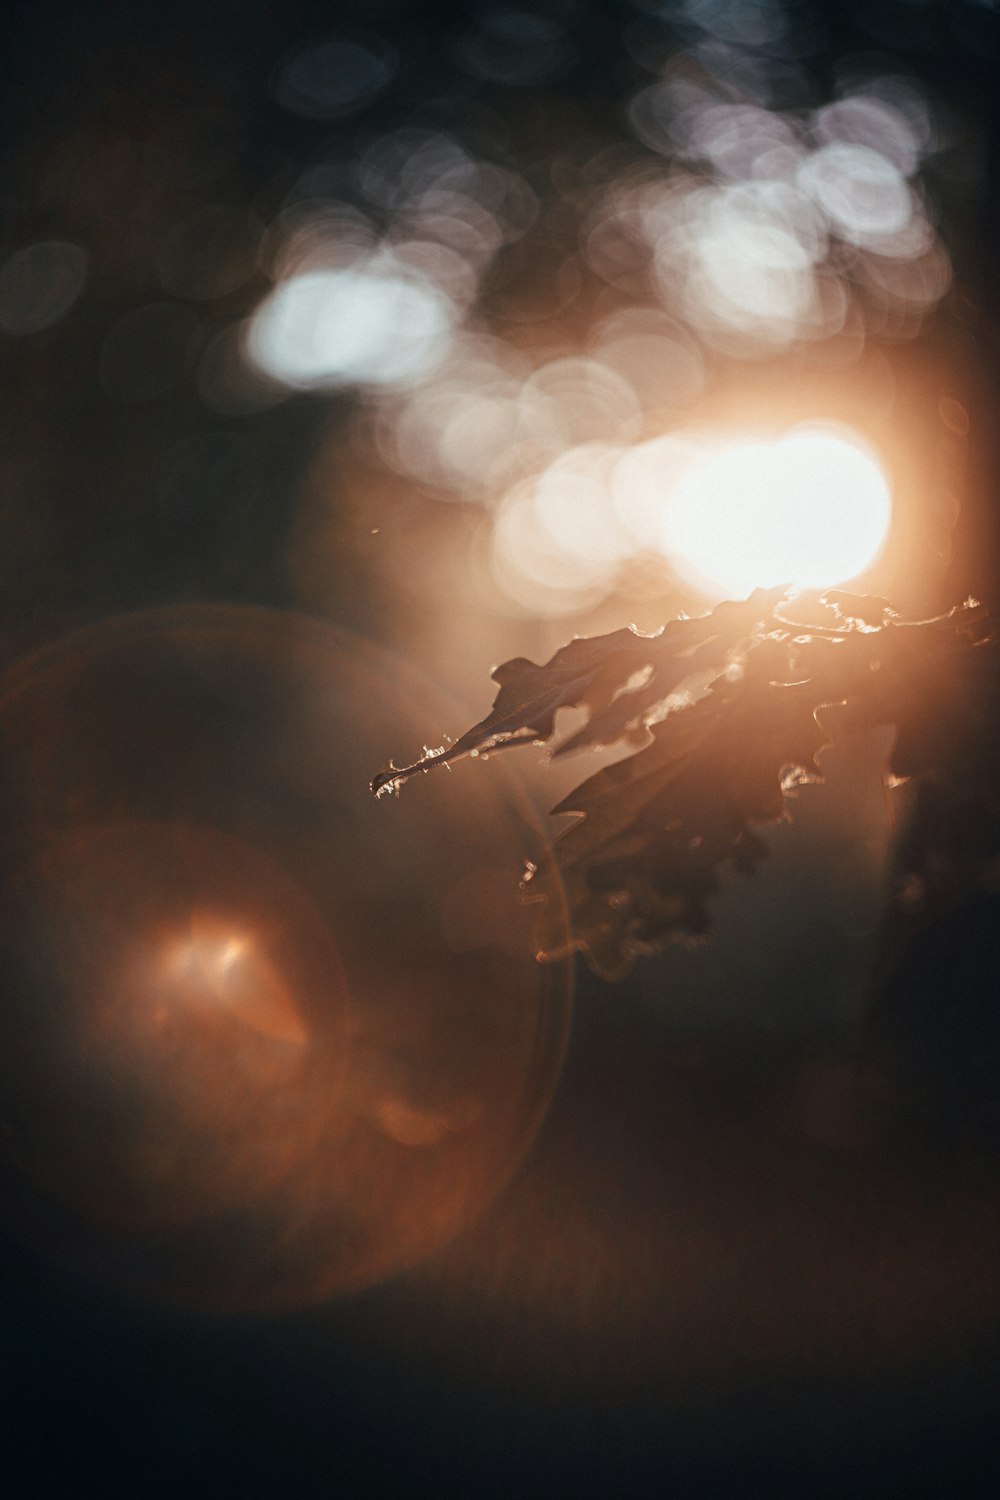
(366, 325)
(263, 1040)
(39, 284)
(810, 510)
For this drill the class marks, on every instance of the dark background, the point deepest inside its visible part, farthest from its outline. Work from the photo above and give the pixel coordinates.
(753, 1245)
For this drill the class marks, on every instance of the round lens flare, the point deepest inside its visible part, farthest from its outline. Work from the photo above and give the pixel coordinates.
(261, 1045)
(810, 510)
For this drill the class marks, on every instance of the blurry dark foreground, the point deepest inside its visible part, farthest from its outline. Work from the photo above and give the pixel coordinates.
(272, 1052)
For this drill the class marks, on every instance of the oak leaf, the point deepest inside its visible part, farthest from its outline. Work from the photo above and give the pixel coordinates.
(654, 831)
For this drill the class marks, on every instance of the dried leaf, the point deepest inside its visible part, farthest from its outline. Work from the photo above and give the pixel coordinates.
(933, 680)
(654, 831)
(595, 673)
(866, 609)
(639, 865)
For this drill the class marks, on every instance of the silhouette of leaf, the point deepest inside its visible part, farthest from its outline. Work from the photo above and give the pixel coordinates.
(595, 673)
(933, 680)
(867, 609)
(639, 865)
(653, 832)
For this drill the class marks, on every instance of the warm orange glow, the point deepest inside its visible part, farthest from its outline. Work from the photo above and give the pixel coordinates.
(248, 1067)
(810, 510)
(215, 963)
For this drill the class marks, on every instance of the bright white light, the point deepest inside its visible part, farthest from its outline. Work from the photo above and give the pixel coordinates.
(810, 510)
(861, 192)
(351, 325)
(744, 257)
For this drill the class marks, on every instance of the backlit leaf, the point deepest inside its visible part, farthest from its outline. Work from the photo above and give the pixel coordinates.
(653, 832)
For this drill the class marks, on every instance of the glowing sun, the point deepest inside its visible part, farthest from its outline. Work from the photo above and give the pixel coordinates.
(811, 510)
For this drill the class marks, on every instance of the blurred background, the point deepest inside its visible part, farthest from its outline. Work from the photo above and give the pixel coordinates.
(347, 351)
